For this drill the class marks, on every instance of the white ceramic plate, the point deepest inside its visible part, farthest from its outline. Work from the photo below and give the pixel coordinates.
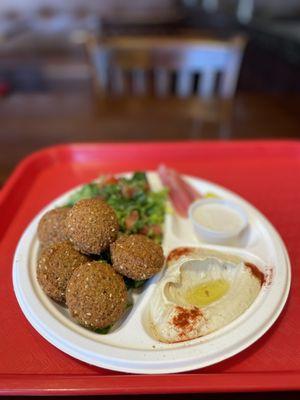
(129, 347)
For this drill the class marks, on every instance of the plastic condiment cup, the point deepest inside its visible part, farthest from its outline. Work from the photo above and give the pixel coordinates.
(211, 235)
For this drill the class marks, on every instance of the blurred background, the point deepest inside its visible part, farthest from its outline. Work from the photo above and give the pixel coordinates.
(121, 70)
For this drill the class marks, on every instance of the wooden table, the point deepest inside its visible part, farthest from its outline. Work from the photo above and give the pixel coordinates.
(31, 121)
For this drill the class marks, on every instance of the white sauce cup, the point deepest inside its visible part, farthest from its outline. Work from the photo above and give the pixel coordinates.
(218, 221)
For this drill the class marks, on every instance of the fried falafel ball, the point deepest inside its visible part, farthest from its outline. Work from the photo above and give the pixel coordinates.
(52, 228)
(92, 225)
(136, 256)
(56, 265)
(96, 295)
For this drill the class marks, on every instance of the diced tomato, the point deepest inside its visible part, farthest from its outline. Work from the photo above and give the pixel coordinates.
(144, 230)
(153, 229)
(127, 191)
(156, 229)
(131, 219)
(107, 180)
(110, 179)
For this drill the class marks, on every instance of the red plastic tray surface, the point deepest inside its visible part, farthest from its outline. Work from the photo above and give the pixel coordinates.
(265, 173)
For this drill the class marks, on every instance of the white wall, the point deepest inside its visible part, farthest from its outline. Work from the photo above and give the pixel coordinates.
(101, 6)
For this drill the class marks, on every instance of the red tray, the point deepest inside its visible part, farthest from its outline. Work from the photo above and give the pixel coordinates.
(265, 173)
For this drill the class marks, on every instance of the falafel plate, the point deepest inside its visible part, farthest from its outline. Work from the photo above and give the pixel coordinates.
(113, 273)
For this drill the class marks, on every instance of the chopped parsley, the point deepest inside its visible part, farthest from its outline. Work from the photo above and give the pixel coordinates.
(132, 284)
(103, 331)
(138, 208)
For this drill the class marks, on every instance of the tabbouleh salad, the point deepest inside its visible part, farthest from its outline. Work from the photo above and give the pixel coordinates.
(138, 208)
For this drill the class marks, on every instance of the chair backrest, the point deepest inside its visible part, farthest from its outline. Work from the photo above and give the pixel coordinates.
(167, 66)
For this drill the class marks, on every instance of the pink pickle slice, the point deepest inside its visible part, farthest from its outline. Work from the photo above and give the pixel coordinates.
(180, 192)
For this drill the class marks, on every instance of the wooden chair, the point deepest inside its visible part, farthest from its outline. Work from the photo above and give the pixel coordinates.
(167, 67)
(205, 68)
